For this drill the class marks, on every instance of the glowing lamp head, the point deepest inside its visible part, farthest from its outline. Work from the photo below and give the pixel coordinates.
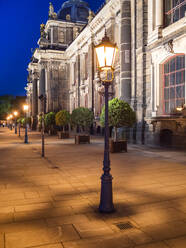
(15, 113)
(179, 109)
(25, 107)
(106, 54)
(11, 116)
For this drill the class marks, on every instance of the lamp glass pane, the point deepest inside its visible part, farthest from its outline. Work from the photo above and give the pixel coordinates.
(101, 56)
(114, 57)
(109, 54)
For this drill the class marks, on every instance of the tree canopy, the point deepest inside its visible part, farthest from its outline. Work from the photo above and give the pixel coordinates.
(120, 114)
(82, 117)
(50, 119)
(62, 118)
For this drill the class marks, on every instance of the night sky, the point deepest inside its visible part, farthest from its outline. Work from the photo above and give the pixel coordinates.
(20, 30)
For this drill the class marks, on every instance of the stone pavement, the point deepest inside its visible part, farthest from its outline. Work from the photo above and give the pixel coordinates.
(52, 202)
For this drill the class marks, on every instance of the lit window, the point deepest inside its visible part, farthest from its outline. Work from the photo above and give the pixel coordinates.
(174, 10)
(174, 83)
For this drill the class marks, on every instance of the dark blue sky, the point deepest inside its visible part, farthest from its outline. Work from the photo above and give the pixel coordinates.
(20, 30)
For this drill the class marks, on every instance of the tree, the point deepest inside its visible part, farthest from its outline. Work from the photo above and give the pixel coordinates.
(26, 120)
(50, 120)
(82, 117)
(10, 103)
(62, 118)
(120, 115)
(5, 106)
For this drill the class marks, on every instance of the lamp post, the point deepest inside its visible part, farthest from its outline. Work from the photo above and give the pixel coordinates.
(10, 116)
(106, 53)
(42, 98)
(19, 128)
(25, 108)
(15, 114)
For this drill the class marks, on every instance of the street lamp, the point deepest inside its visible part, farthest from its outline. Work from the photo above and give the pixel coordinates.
(10, 117)
(106, 53)
(42, 98)
(25, 108)
(15, 114)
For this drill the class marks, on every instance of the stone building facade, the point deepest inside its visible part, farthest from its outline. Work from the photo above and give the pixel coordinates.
(149, 68)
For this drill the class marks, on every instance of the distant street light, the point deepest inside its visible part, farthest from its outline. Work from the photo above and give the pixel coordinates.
(15, 114)
(106, 53)
(25, 108)
(42, 98)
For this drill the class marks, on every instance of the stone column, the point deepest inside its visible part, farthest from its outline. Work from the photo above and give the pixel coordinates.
(159, 13)
(90, 73)
(125, 53)
(34, 103)
(78, 79)
(41, 87)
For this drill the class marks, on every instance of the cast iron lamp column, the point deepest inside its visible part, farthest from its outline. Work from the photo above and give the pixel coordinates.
(15, 114)
(106, 52)
(25, 108)
(8, 122)
(11, 116)
(42, 98)
(19, 129)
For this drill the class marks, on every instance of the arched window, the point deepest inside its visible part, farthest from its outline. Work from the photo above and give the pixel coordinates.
(174, 83)
(174, 10)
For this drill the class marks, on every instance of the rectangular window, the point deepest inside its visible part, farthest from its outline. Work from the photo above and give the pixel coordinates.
(174, 83)
(178, 77)
(166, 80)
(166, 93)
(172, 79)
(174, 10)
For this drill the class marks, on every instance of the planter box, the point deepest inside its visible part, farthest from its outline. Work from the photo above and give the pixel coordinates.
(82, 139)
(184, 112)
(118, 146)
(63, 135)
(52, 132)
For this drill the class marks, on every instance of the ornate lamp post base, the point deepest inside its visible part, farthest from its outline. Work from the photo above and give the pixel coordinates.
(26, 135)
(106, 201)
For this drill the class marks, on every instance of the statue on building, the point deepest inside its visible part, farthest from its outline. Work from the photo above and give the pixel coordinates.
(91, 15)
(68, 18)
(42, 31)
(169, 47)
(76, 32)
(52, 15)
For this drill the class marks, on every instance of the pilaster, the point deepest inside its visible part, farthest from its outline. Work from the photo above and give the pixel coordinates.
(125, 53)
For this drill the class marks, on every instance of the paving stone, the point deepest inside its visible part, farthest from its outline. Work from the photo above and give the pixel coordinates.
(158, 216)
(71, 219)
(31, 195)
(23, 226)
(155, 245)
(59, 245)
(2, 244)
(176, 243)
(93, 228)
(40, 237)
(6, 217)
(33, 207)
(166, 231)
(111, 241)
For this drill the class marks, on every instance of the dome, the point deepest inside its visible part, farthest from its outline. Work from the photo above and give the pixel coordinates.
(75, 11)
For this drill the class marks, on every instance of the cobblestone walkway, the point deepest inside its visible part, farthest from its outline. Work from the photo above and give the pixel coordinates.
(52, 202)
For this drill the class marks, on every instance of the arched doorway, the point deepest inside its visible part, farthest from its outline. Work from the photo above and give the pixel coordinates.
(166, 138)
